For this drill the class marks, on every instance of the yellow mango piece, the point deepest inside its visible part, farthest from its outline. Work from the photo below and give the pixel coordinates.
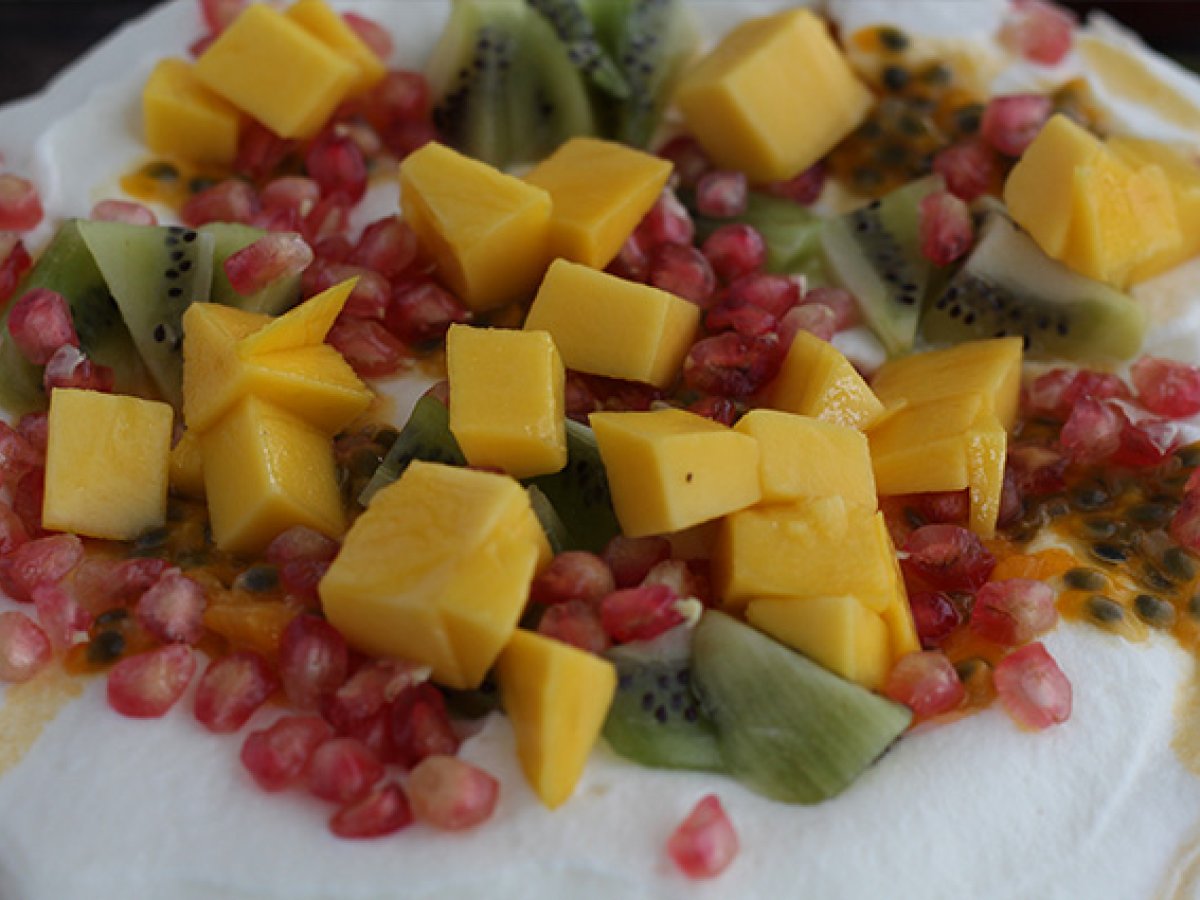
(600, 191)
(303, 326)
(1183, 176)
(437, 570)
(1126, 74)
(184, 119)
(211, 364)
(897, 614)
(802, 457)
(817, 380)
(557, 698)
(839, 633)
(106, 464)
(268, 66)
(773, 97)
(487, 232)
(506, 399)
(322, 22)
(986, 450)
(185, 469)
(923, 448)
(609, 326)
(669, 469)
(265, 470)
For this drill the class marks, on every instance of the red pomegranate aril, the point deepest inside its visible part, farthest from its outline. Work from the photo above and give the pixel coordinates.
(147, 685)
(372, 686)
(337, 164)
(668, 222)
(18, 455)
(577, 623)
(1011, 123)
(847, 312)
(1013, 611)
(722, 194)
(277, 757)
(451, 794)
(1147, 442)
(260, 151)
(945, 506)
(28, 495)
(946, 230)
(1167, 387)
(969, 168)
(34, 427)
(422, 312)
(370, 33)
(173, 609)
(40, 322)
(388, 246)
(230, 200)
(1057, 392)
(231, 690)
(59, 615)
(291, 192)
(948, 557)
(1092, 432)
(45, 560)
(331, 216)
(314, 661)
(573, 575)
(1032, 688)
(774, 293)
(682, 271)
(628, 396)
(406, 137)
(743, 318)
(705, 843)
(731, 365)
(719, 409)
(219, 14)
(300, 543)
(402, 96)
(25, 648)
(689, 159)
(735, 250)
(805, 188)
(70, 367)
(1040, 31)
(342, 770)
(271, 258)
(334, 248)
(631, 559)
(421, 726)
(579, 398)
(371, 350)
(15, 261)
(936, 617)
(926, 683)
(632, 262)
(123, 211)
(383, 811)
(371, 297)
(639, 613)
(815, 318)
(12, 530)
(20, 205)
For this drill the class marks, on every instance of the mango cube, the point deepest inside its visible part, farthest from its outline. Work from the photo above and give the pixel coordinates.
(185, 469)
(268, 66)
(437, 570)
(669, 469)
(923, 448)
(1183, 175)
(211, 364)
(322, 22)
(802, 457)
(600, 191)
(182, 118)
(506, 399)
(817, 380)
(487, 232)
(106, 464)
(773, 97)
(265, 470)
(303, 326)
(609, 326)
(557, 698)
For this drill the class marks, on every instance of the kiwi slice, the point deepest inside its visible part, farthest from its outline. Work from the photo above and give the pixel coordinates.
(426, 436)
(571, 23)
(552, 524)
(1008, 286)
(228, 238)
(153, 273)
(875, 253)
(786, 727)
(792, 233)
(655, 719)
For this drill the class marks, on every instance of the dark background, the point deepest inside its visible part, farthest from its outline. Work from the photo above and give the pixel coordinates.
(39, 37)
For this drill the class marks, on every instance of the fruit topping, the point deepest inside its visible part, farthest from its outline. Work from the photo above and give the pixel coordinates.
(451, 794)
(147, 685)
(705, 843)
(926, 683)
(1032, 688)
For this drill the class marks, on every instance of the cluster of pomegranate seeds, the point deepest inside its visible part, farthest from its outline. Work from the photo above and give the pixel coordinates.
(20, 205)
(1010, 123)
(126, 211)
(945, 227)
(1040, 31)
(705, 843)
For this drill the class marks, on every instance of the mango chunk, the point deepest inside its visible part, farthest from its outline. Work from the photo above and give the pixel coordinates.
(182, 118)
(773, 97)
(437, 570)
(608, 326)
(506, 399)
(817, 380)
(1183, 176)
(303, 326)
(265, 470)
(322, 22)
(557, 698)
(802, 457)
(185, 469)
(839, 633)
(923, 448)
(211, 365)
(600, 191)
(106, 464)
(669, 469)
(268, 66)
(487, 232)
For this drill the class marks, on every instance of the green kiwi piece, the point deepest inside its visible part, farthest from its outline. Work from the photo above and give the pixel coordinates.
(426, 436)
(228, 238)
(875, 253)
(571, 23)
(792, 233)
(1008, 286)
(787, 728)
(556, 531)
(655, 719)
(154, 273)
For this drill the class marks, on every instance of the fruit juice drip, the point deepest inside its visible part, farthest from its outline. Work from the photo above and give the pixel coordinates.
(170, 183)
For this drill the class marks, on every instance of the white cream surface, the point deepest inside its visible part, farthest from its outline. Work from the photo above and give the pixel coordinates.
(111, 808)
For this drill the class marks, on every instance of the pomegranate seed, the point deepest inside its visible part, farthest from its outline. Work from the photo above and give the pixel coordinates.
(421, 726)
(735, 250)
(342, 769)
(1092, 432)
(845, 306)
(260, 151)
(337, 164)
(39, 323)
(640, 613)
(450, 794)
(20, 205)
(59, 615)
(231, 690)
(370, 348)
(969, 168)
(730, 365)
(69, 367)
(370, 33)
(24, 648)
(123, 211)
(1185, 524)
(336, 248)
(948, 557)
(269, 259)
(817, 319)
(926, 683)
(774, 293)
(1013, 611)
(101, 584)
(401, 96)
(371, 297)
(12, 530)
(677, 575)
(388, 246)
(573, 575)
(383, 811)
(719, 409)
(405, 137)
(1146, 442)
(947, 506)
(577, 623)
(1058, 391)
(743, 318)
(43, 561)
(682, 271)
(1011, 123)
(313, 660)
(632, 262)
(1032, 688)
(631, 559)
(667, 222)
(278, 757)
(147, 685)
(173, 609)
(722, 194)
(219, 14)
(27, 497)
(1012, 499)
(805, 188)
(17, 455)
(422, 312)
(946, 229)
(278, 221)
(15, 261)
(705, 843)
(294, 193)
(578, 398)
(328, 218)
(300, 543)
(936, 617)
(1167, 387)
(371, 688)
(230, 200)
(1040, 31)
(688, 157)
(630, 396)
(34, 427)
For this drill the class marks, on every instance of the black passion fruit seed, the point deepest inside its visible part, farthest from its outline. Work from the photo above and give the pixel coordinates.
(106, 647)
(1110, 554)
(258, 579)
(1178, 564)
(1149, 514)
(1090, 498)
(1084, 579)
(1154, 611)
(1104, 610)
(1100, 528)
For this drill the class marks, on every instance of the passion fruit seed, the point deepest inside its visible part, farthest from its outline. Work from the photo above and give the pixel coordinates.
(1154, 611)
(1110, 554)
(1104, 611)
(1084, 579)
